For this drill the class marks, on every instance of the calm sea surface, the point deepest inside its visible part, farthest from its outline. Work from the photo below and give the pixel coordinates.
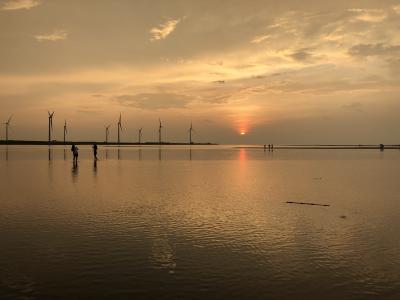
(205, 223)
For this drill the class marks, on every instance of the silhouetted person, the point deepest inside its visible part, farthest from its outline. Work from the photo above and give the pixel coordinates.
(272, 147)
(75, 153)
(269, 147)
(265, 147)
(381, 147)
(94, 147)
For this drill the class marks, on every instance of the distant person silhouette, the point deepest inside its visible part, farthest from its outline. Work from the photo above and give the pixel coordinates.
(272, 147)
(265, 147)
(75, 152)
(94, 147)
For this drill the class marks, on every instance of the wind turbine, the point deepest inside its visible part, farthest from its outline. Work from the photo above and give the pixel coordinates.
(107, 132)
(50, 124)
(159, 131)
(140, 135)
(65, 129)
(190, 133)
(7, 126)
(119, 125)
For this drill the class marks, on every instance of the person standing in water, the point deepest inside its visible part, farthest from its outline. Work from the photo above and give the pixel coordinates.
(94, 147)
(75, 152)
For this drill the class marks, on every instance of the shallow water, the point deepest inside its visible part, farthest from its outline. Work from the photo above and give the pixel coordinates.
(206, 222)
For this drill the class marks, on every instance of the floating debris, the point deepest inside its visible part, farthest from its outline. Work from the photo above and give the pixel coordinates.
(306, 203)
(343, 217)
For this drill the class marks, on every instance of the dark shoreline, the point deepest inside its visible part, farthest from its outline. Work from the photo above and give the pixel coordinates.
(59, 143)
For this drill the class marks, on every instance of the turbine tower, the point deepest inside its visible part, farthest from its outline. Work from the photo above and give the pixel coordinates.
(50, 124)
(107, 132)
(190, 133)
(119, 125)
(159, 131)
(7, 126)
(65, 129)
(140, 135)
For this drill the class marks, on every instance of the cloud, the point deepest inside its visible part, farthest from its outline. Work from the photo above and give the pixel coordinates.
(373, 50)
(260, 38)
(368, 15)
(56, 35)
(303, 54)
(20, 4)
(163, 30)
(153, 101)
(357, 106)
(396, 8)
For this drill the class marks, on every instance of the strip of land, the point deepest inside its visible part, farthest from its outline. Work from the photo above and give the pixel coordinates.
(307, 203)
(23, 142)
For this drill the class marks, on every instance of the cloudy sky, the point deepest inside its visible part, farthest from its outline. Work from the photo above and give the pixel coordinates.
(279, 71)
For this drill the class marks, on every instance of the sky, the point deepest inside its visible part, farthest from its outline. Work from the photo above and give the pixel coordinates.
(243, 72)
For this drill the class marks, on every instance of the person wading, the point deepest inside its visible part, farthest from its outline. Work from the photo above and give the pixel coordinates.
(75, 153)
(94, 147)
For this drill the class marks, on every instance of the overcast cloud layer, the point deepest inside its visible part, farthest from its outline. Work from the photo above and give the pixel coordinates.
(280, 71)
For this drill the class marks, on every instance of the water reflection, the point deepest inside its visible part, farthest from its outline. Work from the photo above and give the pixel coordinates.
(74, 172)
(159, 154)
(6, 152)
(106, 153)
(190, 153)
(242, 154)
(140, 154)
(118, 154)
(50, 154)
(162, 255)
(95, 167)
(65, 155)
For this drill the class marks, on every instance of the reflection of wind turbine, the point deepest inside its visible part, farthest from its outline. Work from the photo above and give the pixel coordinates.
(159, 131)
(7, 126)
(107, 132)
(65, 130)
(119, 125)
(190, 133)
(50, 124)
(140, 135)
